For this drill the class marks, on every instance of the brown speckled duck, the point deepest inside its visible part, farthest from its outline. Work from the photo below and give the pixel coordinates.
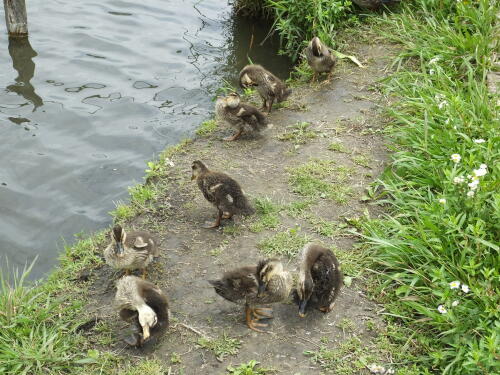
(269, 86)
(374, 4)
(319, 57)
(142, 304)
(222, 191)
(239, 115)
(130, 251)
(320, 279)
(263, 284)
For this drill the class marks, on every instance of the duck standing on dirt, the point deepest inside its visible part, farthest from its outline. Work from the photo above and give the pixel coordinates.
(263, 284)
(130, 251)
(222, 191)
(239, 115)
(269, 86)
(320, 279)
(374, 4)
(319, 57)
(142, 304)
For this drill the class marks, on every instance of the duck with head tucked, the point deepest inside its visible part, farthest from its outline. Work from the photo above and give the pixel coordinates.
(239, 115)
(142, 304)
(320, 279)
(222, 191)
(319, 58)
(269, 87)
(130, 250)
(253, 286)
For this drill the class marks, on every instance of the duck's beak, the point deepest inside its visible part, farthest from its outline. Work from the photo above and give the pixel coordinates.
(145, 332)
(119, 249)
(302, 308)
(261, 290)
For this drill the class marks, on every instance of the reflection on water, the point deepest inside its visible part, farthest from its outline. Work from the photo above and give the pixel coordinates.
(22, 54)
(114, 85)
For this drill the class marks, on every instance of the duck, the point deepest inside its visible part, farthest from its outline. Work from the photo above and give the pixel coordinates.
(252, 286)
(374, 4)
(222, 191)
(239, 115)
(144, 305)
(269, 87)
(319, 58)
(130, 250)
(320, 279)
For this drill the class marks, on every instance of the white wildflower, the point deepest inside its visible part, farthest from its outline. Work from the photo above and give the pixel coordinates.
(442, 309)
(465, 288)
(456, 158)
(473, 185)
(480, 140)
(470, 193)
(479, 172)
(455, 303)
(434, 60)
(389, 371)
(469, 177)
(442, 201)
(459, 180)
(455, 284)
(483, 166)
(376, 369)
(442, 104)
(439, 97)
(447, 122)
(455, 127)
(431, 72)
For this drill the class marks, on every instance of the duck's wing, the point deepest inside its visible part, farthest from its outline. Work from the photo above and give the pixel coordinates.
(237, 285)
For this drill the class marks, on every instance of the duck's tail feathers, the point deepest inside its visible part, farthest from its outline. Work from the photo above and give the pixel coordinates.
(243, 205)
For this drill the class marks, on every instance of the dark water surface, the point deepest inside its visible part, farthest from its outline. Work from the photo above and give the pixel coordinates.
(100, 88)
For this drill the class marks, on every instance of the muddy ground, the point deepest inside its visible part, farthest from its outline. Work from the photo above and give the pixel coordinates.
(345, 113)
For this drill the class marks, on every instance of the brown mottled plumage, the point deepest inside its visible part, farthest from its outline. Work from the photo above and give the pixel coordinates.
(319, 57)
(320, 279)
(269, 86)
(144, 305)
(130, 250)
(239, 115)
(222, 191)
(263, 284)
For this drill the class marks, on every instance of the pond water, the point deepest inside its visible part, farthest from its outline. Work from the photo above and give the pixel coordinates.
(100, 88)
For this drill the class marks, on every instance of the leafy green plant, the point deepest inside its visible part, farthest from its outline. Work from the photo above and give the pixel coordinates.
(207, 127)
(222, 346)
(298, 134)
(248, 369)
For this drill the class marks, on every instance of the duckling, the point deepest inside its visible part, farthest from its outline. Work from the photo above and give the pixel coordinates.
(142, 304)
(222, 191)
(320, 279)
(269, 86)
(374, 4)
(239, 115)
(130, 250)
(319, 58)
(252, 286)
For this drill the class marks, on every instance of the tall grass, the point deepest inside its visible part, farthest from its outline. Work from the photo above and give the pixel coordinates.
(437, 252)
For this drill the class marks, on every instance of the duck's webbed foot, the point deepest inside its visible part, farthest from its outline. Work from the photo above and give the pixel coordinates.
(264, 312)
(227, 215)
(253, 323)
(234, 137)
(328, 308)
(216, 224)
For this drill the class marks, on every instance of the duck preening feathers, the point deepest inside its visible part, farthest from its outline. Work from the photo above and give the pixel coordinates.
(320, 279)
(130, 250)
(239, 115)
(254, 286)
(142, 304)
(319, 57)
(222, 191)
(269, 87)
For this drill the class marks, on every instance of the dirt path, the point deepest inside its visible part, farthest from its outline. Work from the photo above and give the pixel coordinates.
(311, 180)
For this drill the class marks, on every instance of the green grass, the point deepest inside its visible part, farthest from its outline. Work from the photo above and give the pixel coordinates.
(287, 243)
(249, 368)
(123, 212)
(298, 134)
(321, 179)
(140, 193)
(206, 128)
(267, 215)
(299, 208)
(337, 146)
(221, 347)
(423, 245)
